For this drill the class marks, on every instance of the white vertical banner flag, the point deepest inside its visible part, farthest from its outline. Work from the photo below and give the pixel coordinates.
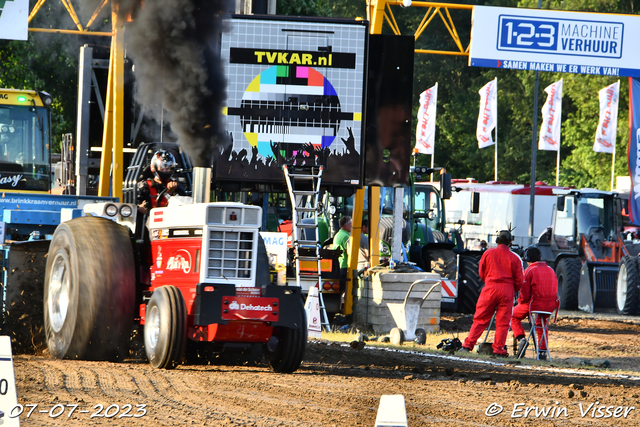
(606, 132)
(426, 127)
(551, 118)
(488, 112)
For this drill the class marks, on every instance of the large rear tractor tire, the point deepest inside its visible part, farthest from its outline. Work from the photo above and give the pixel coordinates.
(444, 263)
(568, 272)
(165, 328)
(469, 283)
(89, 292)
(627, 286)
(287, 346)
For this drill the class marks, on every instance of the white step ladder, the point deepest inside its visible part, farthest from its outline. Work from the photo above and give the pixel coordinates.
(303, 184)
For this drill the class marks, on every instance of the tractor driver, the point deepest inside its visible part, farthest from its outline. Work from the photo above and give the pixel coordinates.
(155, 192)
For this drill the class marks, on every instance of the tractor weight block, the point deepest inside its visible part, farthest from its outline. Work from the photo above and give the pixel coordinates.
(585, 295)
(597, 289)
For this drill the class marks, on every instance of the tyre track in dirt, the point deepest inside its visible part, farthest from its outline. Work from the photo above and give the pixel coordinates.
(284, 392)
(52, 378)
(102, 380)
(158, 390)
(167, 390)
(230, 387)
(187, 386)
(77, 384)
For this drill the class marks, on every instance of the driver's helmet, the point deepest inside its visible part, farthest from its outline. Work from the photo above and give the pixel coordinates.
(163, 165)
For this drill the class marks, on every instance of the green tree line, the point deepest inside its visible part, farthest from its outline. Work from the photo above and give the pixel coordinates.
(49, 62)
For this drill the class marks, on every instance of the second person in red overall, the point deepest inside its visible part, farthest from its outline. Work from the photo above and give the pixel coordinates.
(539, 293)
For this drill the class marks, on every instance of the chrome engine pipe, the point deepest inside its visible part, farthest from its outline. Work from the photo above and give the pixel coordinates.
(201, 185)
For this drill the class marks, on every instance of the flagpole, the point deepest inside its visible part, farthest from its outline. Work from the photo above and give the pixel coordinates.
(559, 118)
(432, 156)
(613, 159)
(495, 169)
(558, 168)
(495, 155)
(613, 164)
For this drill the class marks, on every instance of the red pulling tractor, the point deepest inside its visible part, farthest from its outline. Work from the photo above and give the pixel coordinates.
(198, 274)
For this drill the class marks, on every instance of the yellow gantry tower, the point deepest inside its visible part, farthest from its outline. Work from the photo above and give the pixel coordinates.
(113, 133)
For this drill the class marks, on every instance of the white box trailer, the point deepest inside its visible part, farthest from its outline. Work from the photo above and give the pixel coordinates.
(502, 205)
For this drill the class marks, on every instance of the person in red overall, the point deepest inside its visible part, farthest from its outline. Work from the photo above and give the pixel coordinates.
(539, 292)
(153, 193)
(501, 271)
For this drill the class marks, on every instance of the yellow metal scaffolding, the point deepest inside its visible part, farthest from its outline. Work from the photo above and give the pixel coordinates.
(111, 167)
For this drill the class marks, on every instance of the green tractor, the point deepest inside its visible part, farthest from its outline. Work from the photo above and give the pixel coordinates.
(431, 246)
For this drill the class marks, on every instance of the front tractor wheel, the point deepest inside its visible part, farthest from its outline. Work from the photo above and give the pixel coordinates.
(627, 286)
(165, 328)
(89, 292)
(469, 282)
(286, 347)
(568, 273)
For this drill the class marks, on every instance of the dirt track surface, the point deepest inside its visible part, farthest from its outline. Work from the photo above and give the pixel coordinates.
(341, 386)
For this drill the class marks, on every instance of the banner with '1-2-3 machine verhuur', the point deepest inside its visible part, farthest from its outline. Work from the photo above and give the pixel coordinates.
(555, 41)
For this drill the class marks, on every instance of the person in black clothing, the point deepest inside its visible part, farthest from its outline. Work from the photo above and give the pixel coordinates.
(155, 191)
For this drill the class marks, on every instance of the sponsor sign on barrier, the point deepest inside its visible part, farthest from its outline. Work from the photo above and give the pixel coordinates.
(8, 393)
(312, 308)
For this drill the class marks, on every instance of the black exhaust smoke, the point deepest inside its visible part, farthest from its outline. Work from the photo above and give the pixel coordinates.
(174, 45)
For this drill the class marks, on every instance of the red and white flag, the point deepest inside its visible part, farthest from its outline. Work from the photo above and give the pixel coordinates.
(488, 111)
(606, 133)
(551, 117)
(426, 128)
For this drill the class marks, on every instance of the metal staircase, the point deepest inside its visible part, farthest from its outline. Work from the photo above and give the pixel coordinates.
(303, 184)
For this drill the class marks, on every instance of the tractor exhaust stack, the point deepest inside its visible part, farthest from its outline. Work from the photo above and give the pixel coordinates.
(201, 185)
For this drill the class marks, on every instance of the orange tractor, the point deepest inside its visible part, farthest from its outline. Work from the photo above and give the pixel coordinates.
(585, 248)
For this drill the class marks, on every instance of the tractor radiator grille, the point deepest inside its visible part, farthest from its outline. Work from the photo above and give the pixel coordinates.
(230, 254)
(606, 279)
(233, 215)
